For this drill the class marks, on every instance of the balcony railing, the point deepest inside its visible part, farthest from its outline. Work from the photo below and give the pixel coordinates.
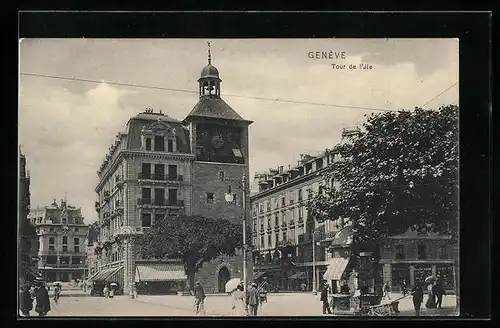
(160, 177)
(159, 202)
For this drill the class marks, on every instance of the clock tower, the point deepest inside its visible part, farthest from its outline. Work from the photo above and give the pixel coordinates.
(219, 141)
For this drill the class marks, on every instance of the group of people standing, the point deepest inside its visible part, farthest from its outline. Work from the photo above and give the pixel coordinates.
(246, 303)
(108, 292)
(28, 294)
(435, 292)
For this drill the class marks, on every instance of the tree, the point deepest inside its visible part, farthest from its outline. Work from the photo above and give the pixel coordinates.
(400, 172)
(194, 239)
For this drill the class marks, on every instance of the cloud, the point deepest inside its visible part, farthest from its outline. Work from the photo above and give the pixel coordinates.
(66, 127)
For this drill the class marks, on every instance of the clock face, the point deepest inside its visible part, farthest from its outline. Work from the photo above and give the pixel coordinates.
(217, 141)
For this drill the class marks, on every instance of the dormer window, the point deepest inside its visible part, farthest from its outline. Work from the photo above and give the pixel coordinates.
(159, 143)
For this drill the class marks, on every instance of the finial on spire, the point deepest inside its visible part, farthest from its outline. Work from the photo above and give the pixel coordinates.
(209, 55)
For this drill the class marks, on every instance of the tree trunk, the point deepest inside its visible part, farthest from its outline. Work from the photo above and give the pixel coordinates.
(190, 281)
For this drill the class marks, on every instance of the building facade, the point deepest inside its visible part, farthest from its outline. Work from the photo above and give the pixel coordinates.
(160, 166)
(414, 256)
(282, 229)
(62, 241)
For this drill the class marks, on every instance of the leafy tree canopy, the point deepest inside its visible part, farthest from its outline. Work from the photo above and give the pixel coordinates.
(400, 172)
(194, 239)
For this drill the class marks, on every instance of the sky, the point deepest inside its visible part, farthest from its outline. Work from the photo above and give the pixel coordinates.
(66, 127)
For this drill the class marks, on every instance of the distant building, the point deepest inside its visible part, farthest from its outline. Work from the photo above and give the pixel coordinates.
(28, 245)
(62, 238)
(159, 166)
(282, 229)
(414, 256)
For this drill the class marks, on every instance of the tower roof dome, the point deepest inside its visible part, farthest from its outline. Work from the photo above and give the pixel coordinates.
(209, 71)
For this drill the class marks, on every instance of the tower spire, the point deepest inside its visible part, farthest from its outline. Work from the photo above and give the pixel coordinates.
(209, 55)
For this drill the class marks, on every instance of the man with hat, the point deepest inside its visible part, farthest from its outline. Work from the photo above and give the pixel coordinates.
(252, 299)
(199, 296)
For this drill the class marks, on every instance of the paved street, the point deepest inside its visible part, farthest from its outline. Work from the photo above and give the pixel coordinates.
(296, 304)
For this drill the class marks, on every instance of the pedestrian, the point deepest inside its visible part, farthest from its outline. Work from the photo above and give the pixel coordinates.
(25, 301)
(303, 286)
(199, 297)
(386, 291)
(42, 301)
(324, 299)
(439, 291)
(404, 287)
(252, 299)
(111, 292)
(105, 291)
(238, 301)
(418, 297)
(431, 298)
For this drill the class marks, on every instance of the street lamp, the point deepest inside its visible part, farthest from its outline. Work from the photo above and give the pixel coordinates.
(314, 262)
(230, 198)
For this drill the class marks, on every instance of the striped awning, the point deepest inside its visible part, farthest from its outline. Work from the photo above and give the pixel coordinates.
(336, 267)
(159, 272)
(258, 275)
(105, 274)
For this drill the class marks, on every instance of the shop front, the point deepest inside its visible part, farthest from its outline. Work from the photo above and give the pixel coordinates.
(160, 278)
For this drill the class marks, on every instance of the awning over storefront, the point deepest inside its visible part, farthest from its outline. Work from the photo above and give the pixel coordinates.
(336, 267)
(159, 272)
(297, 275)
(105, 274)
(89, 279)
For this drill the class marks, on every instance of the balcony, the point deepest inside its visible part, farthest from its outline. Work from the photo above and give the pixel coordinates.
(159, 202)
(160, 177)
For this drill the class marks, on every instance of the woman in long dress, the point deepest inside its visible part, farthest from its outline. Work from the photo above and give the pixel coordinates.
(239, 301)
(431, 299)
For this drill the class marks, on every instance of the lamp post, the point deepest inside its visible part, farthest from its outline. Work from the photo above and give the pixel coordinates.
(314, 263)
(230, 198)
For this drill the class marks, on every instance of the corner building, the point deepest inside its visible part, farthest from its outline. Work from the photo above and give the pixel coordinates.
(62, 236)
(160, 166)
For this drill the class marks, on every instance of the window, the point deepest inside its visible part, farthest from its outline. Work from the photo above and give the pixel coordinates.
(146, 171)
(65, 239)
(321, 189)
(76, 230)
(292, 212)
(148, 143)
(172, 197)
(76, 241)
(269, 222)
(159, 196)
(277, 238)
(146, 195)
(170, 145)
(319, 164)
(300, 195)
(283, 201)
(262, 241)
(284, 236)
(400, 252)
(172, 172)
(64, 220)
(159, 172)
(443, 252)
(77, 248)
(276, 220)
(254, 225)
(159, 143)
(422, 254)
(210, 198)
(146, 220)
(51, 240)
(269, 241)
(65, 248)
